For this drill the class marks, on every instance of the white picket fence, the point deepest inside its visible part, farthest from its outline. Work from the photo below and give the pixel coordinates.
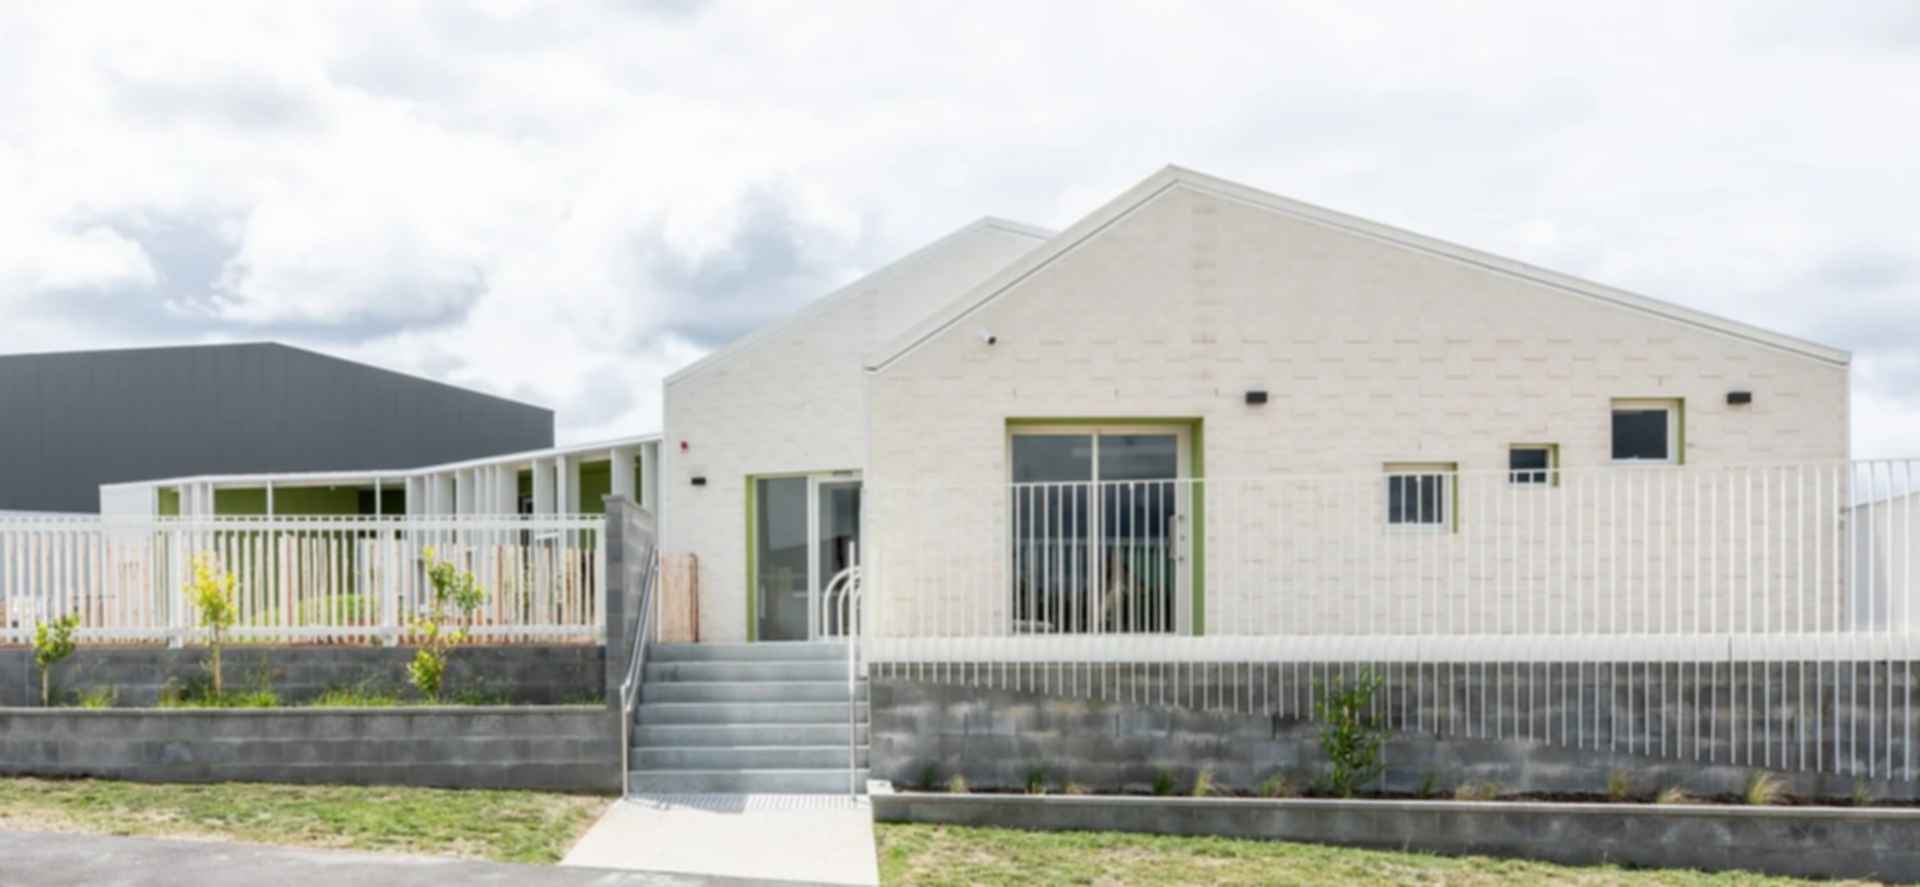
(319, 580)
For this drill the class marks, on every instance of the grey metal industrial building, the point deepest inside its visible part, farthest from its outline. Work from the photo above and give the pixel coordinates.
(71, 421)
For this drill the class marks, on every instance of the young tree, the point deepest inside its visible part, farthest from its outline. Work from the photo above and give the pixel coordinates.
(1349, 735)
(52, 642)
(455, 588)
(211, 593)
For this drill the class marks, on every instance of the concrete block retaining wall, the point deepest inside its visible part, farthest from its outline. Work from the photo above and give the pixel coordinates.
(571, 748)
(523, 674)
(1845, 716)
(997, 738)
(1880, 844)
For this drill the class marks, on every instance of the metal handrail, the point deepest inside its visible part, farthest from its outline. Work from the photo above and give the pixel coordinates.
(846, 584)
(630, 688)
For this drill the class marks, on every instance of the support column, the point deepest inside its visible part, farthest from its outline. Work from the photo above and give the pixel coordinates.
(620, 466)
(570, 484)
(509, 486)
(543, 478)
(650, 478)
(464, 490)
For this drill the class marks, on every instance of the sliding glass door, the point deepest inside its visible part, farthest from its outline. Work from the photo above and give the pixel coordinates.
(806, 530)
(1099, 529)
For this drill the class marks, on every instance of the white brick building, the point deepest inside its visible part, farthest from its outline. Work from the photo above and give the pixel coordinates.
(1318, 421)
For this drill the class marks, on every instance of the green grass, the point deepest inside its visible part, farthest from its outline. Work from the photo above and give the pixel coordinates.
(230, 699)
(504, 826)
(938, 855)
(357, 697)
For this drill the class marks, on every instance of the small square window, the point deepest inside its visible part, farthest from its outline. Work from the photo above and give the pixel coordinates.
(1419, 495)
(1532, 464)
(1646, 431)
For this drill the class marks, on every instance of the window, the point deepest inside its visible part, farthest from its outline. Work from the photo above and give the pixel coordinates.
(1420, 494)
(1646, 431)
(1097, 528)
(1533, 464)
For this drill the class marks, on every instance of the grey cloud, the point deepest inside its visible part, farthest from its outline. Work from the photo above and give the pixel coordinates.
(601, 394)
(192, 258)
(237, 101)
(187, 253)
(773, 263)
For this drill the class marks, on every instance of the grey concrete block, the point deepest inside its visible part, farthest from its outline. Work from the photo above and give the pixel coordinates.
(572, 748)
(996, 737)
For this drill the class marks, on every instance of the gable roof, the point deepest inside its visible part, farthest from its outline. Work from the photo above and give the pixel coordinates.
(1038, 235)
(1172, 177)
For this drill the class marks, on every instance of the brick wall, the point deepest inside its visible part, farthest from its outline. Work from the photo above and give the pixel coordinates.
(1371, 352)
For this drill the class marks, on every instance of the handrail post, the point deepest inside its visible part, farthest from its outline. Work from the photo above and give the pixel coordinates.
(850, 604)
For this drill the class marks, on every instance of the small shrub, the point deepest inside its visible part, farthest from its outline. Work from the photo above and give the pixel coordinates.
(1619, 787)
(1862, 793)
(99, 697)
(1349, 736)
(1074, 788)
(455, 588)
(1037, 781)
(957, 785)
(1674, 794)
(52, 642)
(1477, 791)
(929, 777)
(1163, 783)
(1279, 785)
(1765, 789)
(1204, 785)
(211, 593)
(1429, 786)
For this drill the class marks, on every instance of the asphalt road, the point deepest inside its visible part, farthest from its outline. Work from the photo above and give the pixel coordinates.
(43, 859)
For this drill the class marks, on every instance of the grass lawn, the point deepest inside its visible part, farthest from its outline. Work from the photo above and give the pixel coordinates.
(504, 826)
(934, 854)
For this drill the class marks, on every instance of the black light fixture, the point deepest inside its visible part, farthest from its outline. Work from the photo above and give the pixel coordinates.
(1737, 398)
(699, 480)
(1256, 397)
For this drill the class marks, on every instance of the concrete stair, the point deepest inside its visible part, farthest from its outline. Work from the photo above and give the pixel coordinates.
(767, 718)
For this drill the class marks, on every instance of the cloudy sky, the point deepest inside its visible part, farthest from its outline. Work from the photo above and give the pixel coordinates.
(561, 204)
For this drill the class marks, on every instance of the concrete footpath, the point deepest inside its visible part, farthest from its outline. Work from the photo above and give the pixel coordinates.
(45, 859)
(815, 839)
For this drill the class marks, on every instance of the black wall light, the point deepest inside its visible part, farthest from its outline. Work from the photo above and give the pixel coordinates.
(1739, 397)
(700, 480)
(1256, 397)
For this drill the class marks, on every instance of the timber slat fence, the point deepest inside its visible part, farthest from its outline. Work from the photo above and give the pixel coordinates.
(300, 580)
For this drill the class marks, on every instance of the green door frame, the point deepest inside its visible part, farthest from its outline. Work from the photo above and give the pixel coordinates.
(1196, 470)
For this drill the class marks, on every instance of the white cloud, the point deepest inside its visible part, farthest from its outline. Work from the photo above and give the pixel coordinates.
(548, 201)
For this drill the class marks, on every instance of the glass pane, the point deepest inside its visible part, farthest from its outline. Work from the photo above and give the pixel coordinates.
(781, 557)
(1052, 523)
(1640, 434)
(1415, 499)
(1528, 465)
(1139, 457)
(1052, 457)
(839, 533)
(1138, 501)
